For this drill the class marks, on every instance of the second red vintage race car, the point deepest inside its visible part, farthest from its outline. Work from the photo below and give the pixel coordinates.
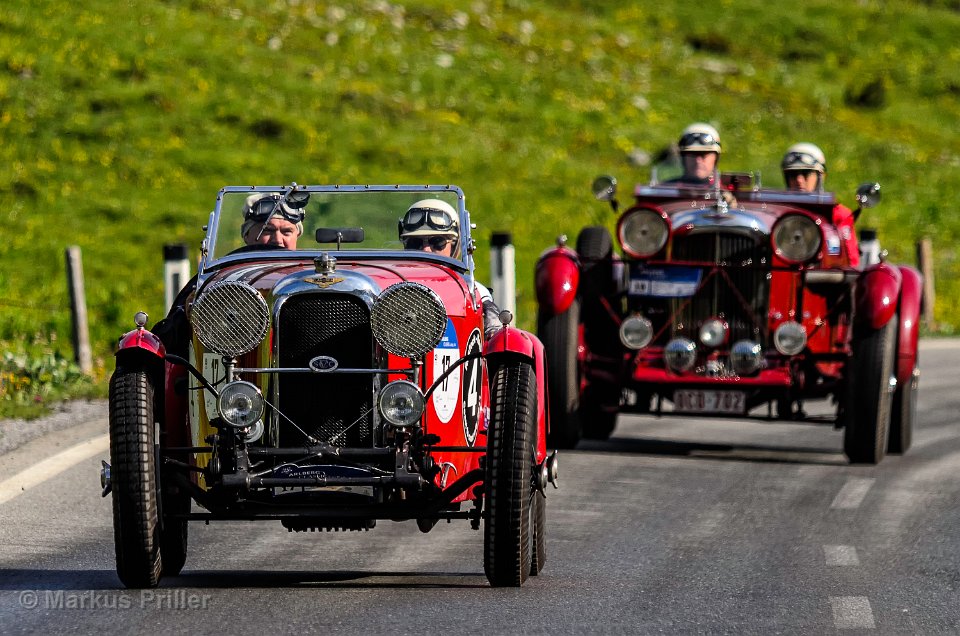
(729, 300)
(331, 385)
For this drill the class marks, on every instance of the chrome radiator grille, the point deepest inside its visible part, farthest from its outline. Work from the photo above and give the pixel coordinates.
(326, 405)
(739, 293)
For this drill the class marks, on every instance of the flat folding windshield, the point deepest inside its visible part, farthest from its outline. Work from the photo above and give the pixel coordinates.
(250, 219)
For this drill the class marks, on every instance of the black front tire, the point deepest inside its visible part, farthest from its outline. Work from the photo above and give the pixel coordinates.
(560, 337)
(869, 397)
(511, 441)
(538, 556)
(136, 520)
(904, 414)
(173, 540)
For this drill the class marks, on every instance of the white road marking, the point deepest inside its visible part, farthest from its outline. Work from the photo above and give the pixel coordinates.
(840, 555)
(852, 612)
(52, 466)
(852, 493)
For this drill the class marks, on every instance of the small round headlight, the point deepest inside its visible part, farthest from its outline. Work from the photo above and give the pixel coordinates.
(636, 332)
(680, 354)
(240, 404)
(401, 403)
(790, 338)
(713, 333)
(796, 238)
(745, 357)
(643, 232)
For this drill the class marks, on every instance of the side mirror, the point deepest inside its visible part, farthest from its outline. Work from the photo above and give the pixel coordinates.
(868, 195)
(604, 188)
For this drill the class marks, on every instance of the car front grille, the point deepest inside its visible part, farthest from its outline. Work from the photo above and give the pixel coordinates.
(738, 291)
(333, 408)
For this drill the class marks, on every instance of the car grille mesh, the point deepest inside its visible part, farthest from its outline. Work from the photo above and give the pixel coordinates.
(739, 293)
(326, 405)
(409, 319)
(230, 318)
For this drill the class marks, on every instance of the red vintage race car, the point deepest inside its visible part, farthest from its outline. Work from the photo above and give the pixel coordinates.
(328, 380)
(728, 300)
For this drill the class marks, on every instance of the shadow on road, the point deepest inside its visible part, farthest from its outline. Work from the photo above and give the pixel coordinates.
(724, 452)
(35, 579)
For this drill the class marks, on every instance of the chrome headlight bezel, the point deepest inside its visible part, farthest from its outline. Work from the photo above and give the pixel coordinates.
(746, 357)
(408, 319)
(797, 238)
(643, 232)
(240, 404)
(790, 338)
(713, 333)
(636, 332)
(230, 318)
(401, 404)
(680, 354)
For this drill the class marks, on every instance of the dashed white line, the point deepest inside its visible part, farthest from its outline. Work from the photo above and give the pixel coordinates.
(852, 612)
(52, 466)
(840, 555)
(852, 493)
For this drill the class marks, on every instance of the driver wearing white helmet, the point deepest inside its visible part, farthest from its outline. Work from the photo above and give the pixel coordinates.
(699, 146)
(432, 226)
(804, 170)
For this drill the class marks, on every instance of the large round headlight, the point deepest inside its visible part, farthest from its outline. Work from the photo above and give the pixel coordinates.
(680, 354)
(643, 232)
(408, 319)
(401, 403)
(796, 238)
(636, 332)
(230, 318)
(790, 338)
(713, 333)
(240, 404)
(746, 356)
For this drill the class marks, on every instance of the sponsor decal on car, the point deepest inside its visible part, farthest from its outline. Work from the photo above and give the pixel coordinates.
(472, 379)
(446, 353)
(664, 282)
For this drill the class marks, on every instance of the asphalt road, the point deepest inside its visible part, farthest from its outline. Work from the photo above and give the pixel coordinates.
(673, 526)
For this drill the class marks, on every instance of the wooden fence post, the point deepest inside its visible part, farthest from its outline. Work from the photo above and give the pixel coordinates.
(78, 310)
(925, 264)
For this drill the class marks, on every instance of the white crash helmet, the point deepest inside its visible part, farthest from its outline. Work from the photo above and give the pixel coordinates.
(804, 156)
(429, 217)
(699, 137)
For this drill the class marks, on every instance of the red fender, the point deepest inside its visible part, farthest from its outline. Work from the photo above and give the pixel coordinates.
(557, 279)
(878, 290)
(140, 341)
(510, 341)
(911, 296)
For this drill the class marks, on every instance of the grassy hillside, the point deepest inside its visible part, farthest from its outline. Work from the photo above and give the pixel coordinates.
(121, 120)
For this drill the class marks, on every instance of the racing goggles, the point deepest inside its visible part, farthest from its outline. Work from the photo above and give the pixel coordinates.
(698, 139)
(431, 217)
(271, 206)
(801, 161)
(436, 243)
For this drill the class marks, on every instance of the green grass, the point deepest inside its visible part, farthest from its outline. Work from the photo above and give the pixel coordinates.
(120, 121)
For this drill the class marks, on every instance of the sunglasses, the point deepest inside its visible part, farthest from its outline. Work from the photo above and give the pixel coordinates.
(801, 158)
(436, 243)
(271, 206)
(700, 139)
(432, 217)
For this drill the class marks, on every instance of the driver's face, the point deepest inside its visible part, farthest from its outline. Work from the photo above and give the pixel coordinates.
(802, 180)
(277, 231)
(699, 164)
